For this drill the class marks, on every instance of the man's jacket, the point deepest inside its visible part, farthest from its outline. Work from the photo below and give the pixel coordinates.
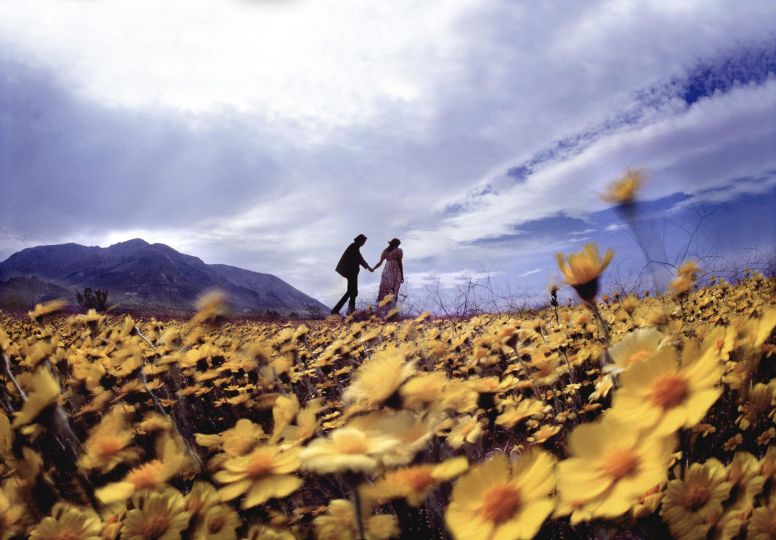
(351, 260)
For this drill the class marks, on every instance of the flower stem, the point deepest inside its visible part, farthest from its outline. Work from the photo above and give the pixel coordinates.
(353, 482)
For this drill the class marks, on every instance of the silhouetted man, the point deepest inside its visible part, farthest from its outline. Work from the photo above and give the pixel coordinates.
(348, 267)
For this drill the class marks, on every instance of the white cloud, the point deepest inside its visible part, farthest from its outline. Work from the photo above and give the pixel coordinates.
(329, 63)
(716, 140)
(530, 272)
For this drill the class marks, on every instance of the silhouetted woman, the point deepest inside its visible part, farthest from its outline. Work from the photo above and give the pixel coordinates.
(393, 273)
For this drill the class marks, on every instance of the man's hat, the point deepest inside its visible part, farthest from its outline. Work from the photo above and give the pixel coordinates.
(360, 238)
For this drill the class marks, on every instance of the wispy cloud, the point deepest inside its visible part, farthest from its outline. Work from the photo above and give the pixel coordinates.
(530, 272)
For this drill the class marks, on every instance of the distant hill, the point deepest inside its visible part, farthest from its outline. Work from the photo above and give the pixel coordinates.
(142, 277)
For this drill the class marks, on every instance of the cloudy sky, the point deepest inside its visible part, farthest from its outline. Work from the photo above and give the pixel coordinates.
(268, 133)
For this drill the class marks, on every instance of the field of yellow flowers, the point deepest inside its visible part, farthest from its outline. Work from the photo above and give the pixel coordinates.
(634, 417)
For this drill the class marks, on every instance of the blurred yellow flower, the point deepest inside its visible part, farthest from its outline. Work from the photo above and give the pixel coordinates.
(661, 394)
(347, 449)
(219, 522)
(44, 393)
(525, 409)
(583, 269)
(693, 500)
(11, 516)
(68, 522)
(379, 378)
(47, 308)
(623, 191)
(636, 347)
(415, 482)
(260, 475)
(498, 499)
(761, 523)
(156, 516)
(153, 474)
(610, 466)
(109, 442)
(339, 523)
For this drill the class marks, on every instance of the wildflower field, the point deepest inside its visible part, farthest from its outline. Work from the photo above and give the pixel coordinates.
(634, 417)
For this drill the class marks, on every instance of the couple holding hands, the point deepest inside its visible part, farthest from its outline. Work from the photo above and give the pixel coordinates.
(390, 281)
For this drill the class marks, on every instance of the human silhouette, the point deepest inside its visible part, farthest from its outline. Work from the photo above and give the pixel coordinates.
(393, 273)
(349, 267)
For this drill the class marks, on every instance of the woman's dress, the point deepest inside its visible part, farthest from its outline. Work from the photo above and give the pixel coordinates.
(390, 281)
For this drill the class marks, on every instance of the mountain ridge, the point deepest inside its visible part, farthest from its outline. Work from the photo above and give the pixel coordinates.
(144, 277)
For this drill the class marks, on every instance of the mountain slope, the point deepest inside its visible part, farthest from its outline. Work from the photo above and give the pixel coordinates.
(148, 277)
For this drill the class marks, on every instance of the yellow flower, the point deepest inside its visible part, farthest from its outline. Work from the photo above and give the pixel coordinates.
(265, 532)
(107, 445)
(261, 475)
(10, 517)
(241, 438)
(636, 347)
(543, 434)
(694, 499)
(284, 411)
(219, 522)
(424, 390)
(623, 191)
(201, 498)
(745, 479)
(411, 430)
(415, 482)
(153, 474)
(498, 499)
(762, 524)
(660, 393)
(467, 429)
(525, 409)
(68, 522)
(685, 278)
(339, 523)
(306, 423)
(44, 394)
(211, 307)
(347, 449)
(156, 516)
(47, 308)
(378, 378)
(610, 466)
(583, 269)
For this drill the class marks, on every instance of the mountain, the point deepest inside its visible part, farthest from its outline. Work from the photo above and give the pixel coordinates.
(142, 277)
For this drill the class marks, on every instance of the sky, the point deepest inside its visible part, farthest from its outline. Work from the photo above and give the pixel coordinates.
(266, 134)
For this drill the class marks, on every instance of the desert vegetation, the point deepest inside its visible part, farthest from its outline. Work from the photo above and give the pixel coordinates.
(638, 416)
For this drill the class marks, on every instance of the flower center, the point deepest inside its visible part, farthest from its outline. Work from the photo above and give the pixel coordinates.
(696, 496)
(419, 478)
(216, 524)
(636, 357)
(620, 462)
(109, 446)
(352, 445)
(669, 391)
(259, 465)
(500, 503)
(155, 527)
(146, 476)
(67, 535)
